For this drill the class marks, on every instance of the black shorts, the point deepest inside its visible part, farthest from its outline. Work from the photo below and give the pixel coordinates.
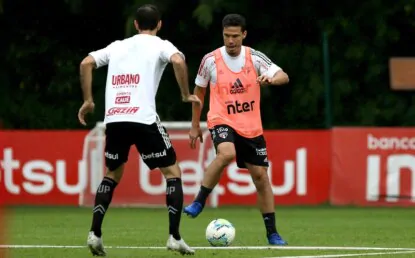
(152, 142)
(249, 150)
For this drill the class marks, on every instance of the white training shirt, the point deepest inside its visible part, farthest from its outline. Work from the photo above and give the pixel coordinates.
(207, 68)
(135, 67)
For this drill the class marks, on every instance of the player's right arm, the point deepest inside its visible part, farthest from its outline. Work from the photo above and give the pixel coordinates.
(200, 92)
(202, 81)
(204, 75)
(195, 131)
(172, 55)
(95, 59)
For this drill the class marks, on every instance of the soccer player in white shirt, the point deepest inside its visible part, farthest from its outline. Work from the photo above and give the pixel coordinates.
(135, 67)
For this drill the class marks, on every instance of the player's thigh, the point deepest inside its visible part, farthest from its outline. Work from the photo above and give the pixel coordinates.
(223, 138)
(154, 145)
(117, 145)
(253, 151)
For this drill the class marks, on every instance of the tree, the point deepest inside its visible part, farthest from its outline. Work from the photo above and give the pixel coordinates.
(43, 44)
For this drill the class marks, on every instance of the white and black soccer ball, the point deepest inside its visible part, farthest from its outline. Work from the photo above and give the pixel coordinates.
(220, 232)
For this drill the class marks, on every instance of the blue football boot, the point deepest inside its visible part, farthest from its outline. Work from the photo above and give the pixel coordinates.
(193, 210)
(276, 239)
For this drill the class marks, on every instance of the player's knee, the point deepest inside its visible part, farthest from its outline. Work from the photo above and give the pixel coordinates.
(226, 157)
(226, 153)
(260, 176)
(115, 172)
(172, 171)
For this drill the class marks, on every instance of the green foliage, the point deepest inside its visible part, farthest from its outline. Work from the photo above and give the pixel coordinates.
(362, 41)
(204, 15)
(41, 54)
(75, 6)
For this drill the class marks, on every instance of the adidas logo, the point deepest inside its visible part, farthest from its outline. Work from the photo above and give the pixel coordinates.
(237, 87)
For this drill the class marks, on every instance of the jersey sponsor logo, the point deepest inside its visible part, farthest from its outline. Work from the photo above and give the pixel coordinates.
(223, 135)
(125, 80)
(122, 111)
(123, 93)
(222, 129)
(240, 107)
(261, 152)
(111, 156)
(154, 155)
(222, 132)
(237, 87)
(232, 88)
(122, 100)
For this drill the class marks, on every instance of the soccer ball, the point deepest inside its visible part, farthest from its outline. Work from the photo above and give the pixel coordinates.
(220, 232)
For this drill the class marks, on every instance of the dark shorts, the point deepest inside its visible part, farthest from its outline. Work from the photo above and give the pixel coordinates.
(249, 150)
(152, 142)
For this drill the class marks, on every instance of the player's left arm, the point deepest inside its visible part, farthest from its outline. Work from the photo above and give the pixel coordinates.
(269, 72)
(279, 78)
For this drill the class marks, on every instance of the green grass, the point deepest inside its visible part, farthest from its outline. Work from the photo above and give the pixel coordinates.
(300, 226)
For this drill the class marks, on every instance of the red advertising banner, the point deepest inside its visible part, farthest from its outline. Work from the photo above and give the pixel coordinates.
(373, 166)
(361, 166)
(50, 168)
(41, 167)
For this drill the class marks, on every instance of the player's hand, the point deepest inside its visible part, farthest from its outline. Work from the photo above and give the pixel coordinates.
(194, 134)
(87, 107)
(264, 80)
(192, 98)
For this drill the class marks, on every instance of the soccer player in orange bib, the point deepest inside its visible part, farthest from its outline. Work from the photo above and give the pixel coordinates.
(235, 73)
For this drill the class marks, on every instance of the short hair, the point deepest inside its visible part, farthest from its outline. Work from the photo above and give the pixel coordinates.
(147, 17)
(234, 19)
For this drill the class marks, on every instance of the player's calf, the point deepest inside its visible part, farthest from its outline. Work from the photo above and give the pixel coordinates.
(266, 202)
(263, 186)
(103, 199)
(226, 153)
(174, 198)
(174, 202)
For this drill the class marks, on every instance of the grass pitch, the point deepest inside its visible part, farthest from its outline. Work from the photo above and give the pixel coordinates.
(142, 232)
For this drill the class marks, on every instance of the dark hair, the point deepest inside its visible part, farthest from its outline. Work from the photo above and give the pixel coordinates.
(234, 20)
(147, 17)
